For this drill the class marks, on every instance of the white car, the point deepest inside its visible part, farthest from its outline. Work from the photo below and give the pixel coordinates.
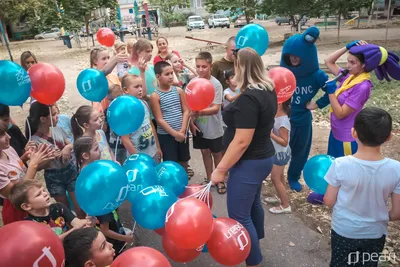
(195, 22)
(55, 33)
(218, 20)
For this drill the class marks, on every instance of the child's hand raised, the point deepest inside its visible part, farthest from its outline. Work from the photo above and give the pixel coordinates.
(142, 65)
(42, 155)
(122, 57)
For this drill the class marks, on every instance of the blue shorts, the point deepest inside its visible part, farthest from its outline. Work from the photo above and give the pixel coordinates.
(58, 181)
(338, 148)
(282, 158)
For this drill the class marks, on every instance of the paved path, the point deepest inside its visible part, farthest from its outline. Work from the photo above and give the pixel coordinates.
(309, 250)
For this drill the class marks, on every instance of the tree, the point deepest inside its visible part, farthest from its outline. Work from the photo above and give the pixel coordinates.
(167, 8)
(248, 7)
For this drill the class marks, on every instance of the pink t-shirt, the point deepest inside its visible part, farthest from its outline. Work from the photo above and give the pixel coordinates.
(11, 169)
(355, 98)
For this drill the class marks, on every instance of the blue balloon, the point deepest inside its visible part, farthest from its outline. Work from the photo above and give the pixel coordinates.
(150, 77)
(125, 114)
(151, 205)
(15, 84)
(172, 176)
(141, 157)
(92, 85)
(315, 171)
(101, 187)
(141, 174)
(254, 36)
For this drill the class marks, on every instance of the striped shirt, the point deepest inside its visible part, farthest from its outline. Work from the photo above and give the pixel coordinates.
(171, 109)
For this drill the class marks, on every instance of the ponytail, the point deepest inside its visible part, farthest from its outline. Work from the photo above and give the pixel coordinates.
(82, 145)
(81, 116)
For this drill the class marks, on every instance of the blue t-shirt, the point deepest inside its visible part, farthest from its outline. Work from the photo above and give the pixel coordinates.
(361, 208)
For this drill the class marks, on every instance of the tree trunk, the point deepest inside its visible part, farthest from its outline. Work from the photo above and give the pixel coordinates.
(338, 29)
(87, 32)
(359, 18)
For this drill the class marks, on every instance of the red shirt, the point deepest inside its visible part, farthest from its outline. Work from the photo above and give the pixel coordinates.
(158, 58)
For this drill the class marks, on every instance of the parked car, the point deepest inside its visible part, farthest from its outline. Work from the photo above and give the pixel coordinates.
(280, 20)
(54, 33)
(195, 22)
(218, 20)
(241, 21)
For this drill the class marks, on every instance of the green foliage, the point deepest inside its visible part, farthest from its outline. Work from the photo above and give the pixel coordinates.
(168, 14)
(248, 7)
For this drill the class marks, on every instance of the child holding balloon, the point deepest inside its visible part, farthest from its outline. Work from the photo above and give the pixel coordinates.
(359, 189)
(87, 151)
(172, 115)
(61, 172)
(144, 139)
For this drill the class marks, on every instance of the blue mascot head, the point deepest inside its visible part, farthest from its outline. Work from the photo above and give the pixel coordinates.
(303, 47)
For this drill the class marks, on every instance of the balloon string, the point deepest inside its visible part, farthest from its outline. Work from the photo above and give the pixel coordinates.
(52, 128)
(27, 123)
(116, 149)
(133, 231)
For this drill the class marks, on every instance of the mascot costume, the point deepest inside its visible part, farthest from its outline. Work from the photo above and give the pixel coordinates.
(309, 79)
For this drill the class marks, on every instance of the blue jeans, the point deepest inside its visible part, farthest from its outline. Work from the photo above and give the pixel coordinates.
(244, 200)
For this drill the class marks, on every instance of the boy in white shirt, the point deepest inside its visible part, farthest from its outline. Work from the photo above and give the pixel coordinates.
(358, 191)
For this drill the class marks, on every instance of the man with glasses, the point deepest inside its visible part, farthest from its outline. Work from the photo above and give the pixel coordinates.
(226, 63)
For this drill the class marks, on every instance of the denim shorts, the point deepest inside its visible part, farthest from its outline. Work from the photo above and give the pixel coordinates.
(58, 181)
(282, 158)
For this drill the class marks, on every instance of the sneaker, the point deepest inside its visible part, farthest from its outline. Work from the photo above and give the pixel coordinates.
(272, 200)
(275, 210)
(315, 198)
(295, 185)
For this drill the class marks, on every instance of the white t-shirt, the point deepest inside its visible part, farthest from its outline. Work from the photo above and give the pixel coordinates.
(361, 208)
(228, 91)
(282, 121)
(211, 126)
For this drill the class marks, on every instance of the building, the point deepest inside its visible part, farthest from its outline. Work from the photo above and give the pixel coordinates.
(128, 12)
(198, 7)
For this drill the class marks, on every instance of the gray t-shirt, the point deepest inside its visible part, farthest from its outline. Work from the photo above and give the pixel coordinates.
(211, 126)
(361, 208)
(282, 121)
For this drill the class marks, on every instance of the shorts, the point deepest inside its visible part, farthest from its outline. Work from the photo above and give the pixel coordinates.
(173, 150)
(355, 252)
(60, 180)
(282, 158)
(215, 145)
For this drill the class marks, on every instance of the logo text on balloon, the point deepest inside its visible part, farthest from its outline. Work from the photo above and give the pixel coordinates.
(234, 230)
(46, 254)
(87, 89)
(22, 77)
(121, 197)
(154, 189)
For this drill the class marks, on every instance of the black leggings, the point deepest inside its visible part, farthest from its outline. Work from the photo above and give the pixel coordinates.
(355, 252)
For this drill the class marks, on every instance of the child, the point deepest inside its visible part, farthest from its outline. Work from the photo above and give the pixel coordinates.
(123, 67)
(231, 93)
(13, 170)
(114, 92)
(18, 140)
(280, 138)
(60, 175)
(143, 140)
(358, 190)
(32, 197)
(100, 59)
(206, 125)
(178, 65)
(172, 114)
(87, 122)
(87, 247)
(87, 151)
(28, 59)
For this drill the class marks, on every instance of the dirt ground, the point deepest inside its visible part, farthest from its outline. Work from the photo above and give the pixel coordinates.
(72, 61)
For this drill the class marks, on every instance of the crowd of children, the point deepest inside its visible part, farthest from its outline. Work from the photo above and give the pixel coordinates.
(63, 150)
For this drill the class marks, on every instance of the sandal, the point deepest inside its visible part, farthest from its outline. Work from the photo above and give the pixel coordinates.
(190, 172)
(205, 182)
(221, 188)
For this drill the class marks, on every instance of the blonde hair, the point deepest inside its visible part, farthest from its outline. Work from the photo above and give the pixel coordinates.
(139, 46)
(250, 72)
(94, 54)
(127, 79)
(19, 193)
(118, 45)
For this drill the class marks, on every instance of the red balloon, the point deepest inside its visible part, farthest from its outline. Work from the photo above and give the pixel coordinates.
(48, 83)
(179, 254)
(27, 243)
(230, 242)
(193, 189)
(105, 36)
(160, 231)
(200, 94)
(141, 257)
(189, 223)
(285, 83)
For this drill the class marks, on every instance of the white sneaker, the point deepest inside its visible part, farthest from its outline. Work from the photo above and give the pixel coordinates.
(287, 210)
(272, 200)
